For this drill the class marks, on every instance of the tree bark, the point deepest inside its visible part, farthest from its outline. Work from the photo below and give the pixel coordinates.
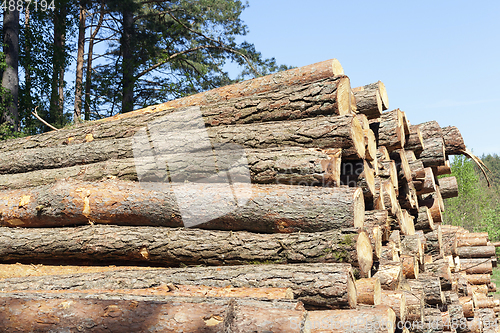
(448, 187)
(390, 275)
(376, 319)
(100, 313)
(368, 291)
(478, 278)
(79, 64)
(10, 76)
(476, 266)
(423, 220)
(427, 184)
(453, 141)
(434, 153)
(114, 245)
(441, 269)
(389, 130)
(336, 288)
(58, 62)
(410, 266)
(431, 287)
(115, 158)
(368, 102)
(261, 208)
(396, 300)
(274, 82)
(475, 251)
(414, 140)
(324, 132)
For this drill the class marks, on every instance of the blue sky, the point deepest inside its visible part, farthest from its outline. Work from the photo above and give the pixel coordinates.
(439, 60)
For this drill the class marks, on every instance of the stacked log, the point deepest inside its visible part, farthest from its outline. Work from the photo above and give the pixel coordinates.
(285, 203)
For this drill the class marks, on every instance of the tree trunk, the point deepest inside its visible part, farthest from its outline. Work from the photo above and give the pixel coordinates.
(448, 187)
(434, 153)
(261, 208)
(112, 245)
(390, 275)
(478, 278)
(396, 300)
(323, 132)
(99, 313)
(475, 251)
(336, 290)
(79, 64)
(389, 130)
(274, 82)
(414, 140)
(368, 291)
(58, 62)
(368, 102)
(453, 141)
(441, 269)
(376, 319)
(128, 63)
(423, 220)
(431, 286)
(476, 266)
(10, 76)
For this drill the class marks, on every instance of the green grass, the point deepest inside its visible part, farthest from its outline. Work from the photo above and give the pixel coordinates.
(495, 277)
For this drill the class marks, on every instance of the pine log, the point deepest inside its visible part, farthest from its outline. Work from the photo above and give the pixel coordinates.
(482, 301)
(434, 153)
(442, 169)
(460, 284)
(476, 266)
(434, 242)
(414, 305)
(489, 320)
(380, 197)
(478, 289)
(376, 319)
(411, 245)
(363, 120)
(275, 81)
(290, 165)
(432, 322)
(448, 187)
(410, 266)
(453, 140)
(389, 130)
(99, 313)
(478, 278)
(404, 171)
(100, 244)
(383, 93)
(441, 269)
(475, 251)
(368, 291)
(368, 102)
(431, 286)
(468, 306)
(427, 184)
(432, 202)
(417, 169)
(269, 208)
(405, 221)
(389, 171)
(396, 300)
(316, 285)
(414, 140)
(359, 174)
(182, 128)
(383, 154)
(407, 196)
(470, 241)
(423, 219)
(370, 145)
(390, 275)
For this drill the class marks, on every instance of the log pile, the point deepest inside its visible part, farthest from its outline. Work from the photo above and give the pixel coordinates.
(298, 205)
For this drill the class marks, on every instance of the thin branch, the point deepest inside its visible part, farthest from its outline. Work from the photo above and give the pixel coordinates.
(43, 121)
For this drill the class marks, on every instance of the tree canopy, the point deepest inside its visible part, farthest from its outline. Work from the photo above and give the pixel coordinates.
(89, 59)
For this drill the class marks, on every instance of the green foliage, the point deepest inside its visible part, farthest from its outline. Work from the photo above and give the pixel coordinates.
(477, 208)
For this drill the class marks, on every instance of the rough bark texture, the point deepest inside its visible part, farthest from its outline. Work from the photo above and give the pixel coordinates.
(316, 285)
(112, 313)
(426, 184)
(262, 208)
(478, 278)
(290, 165)
(390, 274)
(182, 130)
(423, 220)
(475, 251)
(476, 266)
(368, 291)
(277, 81)
(389, 130)
(101, 244)
(368, 102)
(448, 187)
(453, 140)
(431, 286)
(376, 319)
(396, 300)
(434, 153)
(414, 140)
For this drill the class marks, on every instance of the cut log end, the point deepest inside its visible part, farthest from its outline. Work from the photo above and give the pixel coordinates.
(359, 208)
(337, 67)
(383, 95)
(358, 137)
(365, 254)
(344, 96)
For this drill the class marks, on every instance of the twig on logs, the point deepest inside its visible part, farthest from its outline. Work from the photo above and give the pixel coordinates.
(43, 121)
